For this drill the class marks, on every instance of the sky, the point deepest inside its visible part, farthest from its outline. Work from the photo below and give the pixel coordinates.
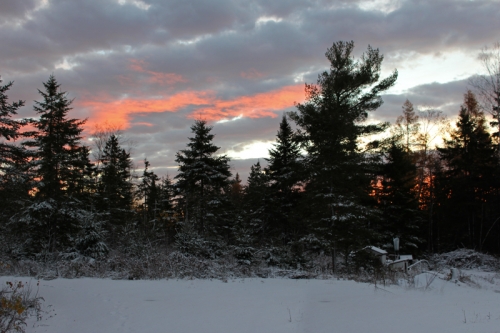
(153, 67)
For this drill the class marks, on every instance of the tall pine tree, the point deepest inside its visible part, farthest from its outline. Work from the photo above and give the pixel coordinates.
(61, 168)
(330, 123)
(59, 156)
(469, 182)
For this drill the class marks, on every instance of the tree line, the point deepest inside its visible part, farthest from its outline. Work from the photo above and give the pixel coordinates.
(328, 187)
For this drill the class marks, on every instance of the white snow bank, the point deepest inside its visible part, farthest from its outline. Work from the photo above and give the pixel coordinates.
(264, 305)
(466, 259)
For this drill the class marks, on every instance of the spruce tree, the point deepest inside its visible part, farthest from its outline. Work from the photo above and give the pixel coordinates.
(330, 124)
(284, 171)
(57, 152)
(203, 183)
(114, 194)
(61, 168)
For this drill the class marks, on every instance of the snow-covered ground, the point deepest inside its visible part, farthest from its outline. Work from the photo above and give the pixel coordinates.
(269, 305)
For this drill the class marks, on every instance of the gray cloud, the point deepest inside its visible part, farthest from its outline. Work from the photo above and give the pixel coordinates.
(446, 97)
(101, 50)
(12, 10)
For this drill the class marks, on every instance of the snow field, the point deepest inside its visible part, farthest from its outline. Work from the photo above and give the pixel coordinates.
(267, 305)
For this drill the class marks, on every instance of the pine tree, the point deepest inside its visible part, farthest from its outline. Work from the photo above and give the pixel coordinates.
(115, 189)
(469, 182)
(203, 182)
(58, 153)
(148, 191)
(397, 198)
(9, 128)
(256, 203)
(60, 166)
(284, 171)
(330, 124)
(236, 191)
(12, 158)
(14, 181)
(166, 212)
(81, 182)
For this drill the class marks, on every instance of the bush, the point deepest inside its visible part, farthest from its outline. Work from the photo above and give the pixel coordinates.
(16, 304)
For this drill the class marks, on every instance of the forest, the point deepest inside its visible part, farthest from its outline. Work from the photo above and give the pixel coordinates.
(333, 183)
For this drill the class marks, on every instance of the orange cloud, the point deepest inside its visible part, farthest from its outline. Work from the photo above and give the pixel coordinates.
(155, 77)
(117, 113)
(255, 106)
(207, 106)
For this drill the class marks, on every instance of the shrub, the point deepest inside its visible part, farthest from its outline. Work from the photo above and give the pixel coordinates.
(16, 304)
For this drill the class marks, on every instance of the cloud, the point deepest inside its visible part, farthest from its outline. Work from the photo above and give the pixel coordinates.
(446, 97)
(153, 77)
(10, 10)
(255, 106)
(252, 74)
(205, 105)
(152, 65)
(118, 112)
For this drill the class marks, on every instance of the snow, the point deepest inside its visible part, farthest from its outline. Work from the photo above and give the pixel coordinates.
(427, 304)
(376, 249)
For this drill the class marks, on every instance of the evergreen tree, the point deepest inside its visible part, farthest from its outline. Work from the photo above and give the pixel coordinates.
(9, 128)
(149, 192)
(58, 154)
(60, 166)
(14, 181)
(81, 182)
(284, 171)
(397, 198)
(115, 189)
(469, 183)
(236, 192)
(203, 182)
(330, 123)
(431, 126)
(166, 213)
(256, 203)
(488, 87)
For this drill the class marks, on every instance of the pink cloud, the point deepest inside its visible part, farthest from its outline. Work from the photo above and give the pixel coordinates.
(206, 103)
(155, 77)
